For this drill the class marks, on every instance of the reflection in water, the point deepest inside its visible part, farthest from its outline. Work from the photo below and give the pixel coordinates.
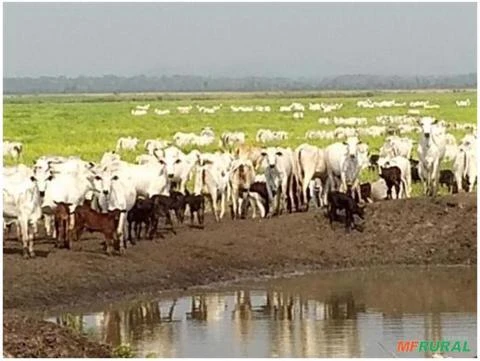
(340, 315)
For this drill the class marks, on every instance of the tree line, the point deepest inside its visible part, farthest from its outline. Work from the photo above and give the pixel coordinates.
(189, 83)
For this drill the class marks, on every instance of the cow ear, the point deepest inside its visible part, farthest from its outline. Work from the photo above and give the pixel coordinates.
(435, 122)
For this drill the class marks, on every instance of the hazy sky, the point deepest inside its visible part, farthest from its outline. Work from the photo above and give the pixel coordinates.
(238, 39)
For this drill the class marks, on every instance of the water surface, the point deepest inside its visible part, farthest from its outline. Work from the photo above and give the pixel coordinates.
(330, 314)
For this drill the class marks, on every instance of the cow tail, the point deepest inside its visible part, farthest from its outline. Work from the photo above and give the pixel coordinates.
(299, 167)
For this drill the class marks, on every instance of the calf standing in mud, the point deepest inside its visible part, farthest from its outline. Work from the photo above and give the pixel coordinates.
(88, 219)
(338, 201)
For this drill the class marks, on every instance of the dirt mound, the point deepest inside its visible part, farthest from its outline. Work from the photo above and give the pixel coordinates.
(27, 337)
(414, 231)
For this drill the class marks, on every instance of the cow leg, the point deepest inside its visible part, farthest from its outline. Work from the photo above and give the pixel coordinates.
(138, 230)
(348, 219)
(214, 205)
(389, 191)
(241, 205)
(436, 176)
(48, 225)
(147, 228)
(24, 235)
(332, 213)
(253, 202)
(223, 201)
(397, 189)
(56, 225)
(305, 183)
(234, 202)
(261, 208)
(130, 231)
(122, 232)
(30, 237)
(109, 241)
(471, 182)
(286, 194)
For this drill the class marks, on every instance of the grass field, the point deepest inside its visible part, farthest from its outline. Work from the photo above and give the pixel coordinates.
(89, 125)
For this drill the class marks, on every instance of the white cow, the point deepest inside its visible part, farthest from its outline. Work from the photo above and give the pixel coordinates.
(127, 143)
(152, 144)
(465, 165)
(161, 111)
(463, 103)
(21, 204)
(229, 139)
(343, 165)
(143, 107)
(178, 165)
(148, 179)
(310, 162)
(12, 149)
(44, 170)
(241, 176)
(431, 151)
(116, 191)
(138, 112)
(395, 146)
(184, 109)
(279, 172)
(211, 178)
(67, 187)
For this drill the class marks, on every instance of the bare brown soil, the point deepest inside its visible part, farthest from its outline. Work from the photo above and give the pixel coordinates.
(417, 231)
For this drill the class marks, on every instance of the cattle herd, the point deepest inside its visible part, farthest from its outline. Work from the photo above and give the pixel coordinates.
(113, 196)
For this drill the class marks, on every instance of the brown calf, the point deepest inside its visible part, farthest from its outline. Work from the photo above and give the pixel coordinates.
(88, 219)
(61, 215)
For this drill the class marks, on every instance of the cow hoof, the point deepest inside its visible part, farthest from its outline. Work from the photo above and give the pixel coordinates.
(122, 251)
(25, 254)
(32, 254)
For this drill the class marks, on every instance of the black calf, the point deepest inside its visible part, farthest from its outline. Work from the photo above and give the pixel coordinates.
(339, 201)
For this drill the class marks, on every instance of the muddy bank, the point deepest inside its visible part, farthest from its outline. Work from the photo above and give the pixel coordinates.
(29, 337)
(416, 231)
(410, 232)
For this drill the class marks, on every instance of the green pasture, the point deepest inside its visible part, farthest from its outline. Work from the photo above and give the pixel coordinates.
(87, 125)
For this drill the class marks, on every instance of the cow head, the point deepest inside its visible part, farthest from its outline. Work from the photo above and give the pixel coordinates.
(351, 145)
(42, 179)
(427, 123)
(102, 183)
(270, 155)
